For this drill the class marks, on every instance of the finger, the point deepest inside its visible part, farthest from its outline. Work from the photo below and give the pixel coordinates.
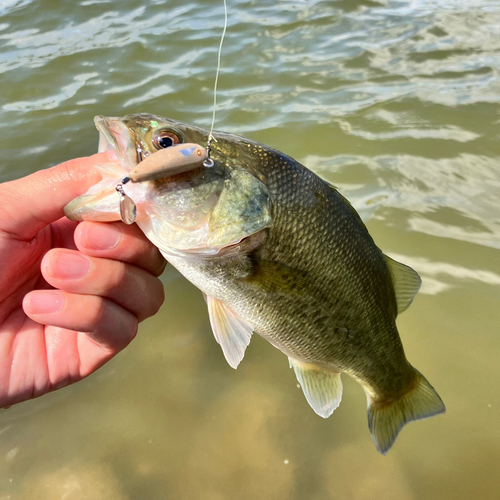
(73, 355)
(115, 240)
(62, 233)
(105, 322)
(31, 203)
(128, 286)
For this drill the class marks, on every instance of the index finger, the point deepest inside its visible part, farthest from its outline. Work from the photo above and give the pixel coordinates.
(117, 241)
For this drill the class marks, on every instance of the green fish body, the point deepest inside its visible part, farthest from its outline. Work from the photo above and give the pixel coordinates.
(279, 252)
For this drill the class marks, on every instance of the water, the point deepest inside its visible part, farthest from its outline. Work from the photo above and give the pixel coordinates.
(397, 102)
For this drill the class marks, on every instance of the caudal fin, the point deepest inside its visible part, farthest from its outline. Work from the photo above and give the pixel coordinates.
(385, 421)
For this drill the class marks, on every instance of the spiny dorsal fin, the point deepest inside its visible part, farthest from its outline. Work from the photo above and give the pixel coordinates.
(231, 332)
(322, 389)
(406, 283)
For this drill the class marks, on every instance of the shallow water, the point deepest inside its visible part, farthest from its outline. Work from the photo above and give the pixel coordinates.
(397, 102)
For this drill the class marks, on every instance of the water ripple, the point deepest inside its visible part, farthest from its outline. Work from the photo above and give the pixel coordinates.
(396, 102)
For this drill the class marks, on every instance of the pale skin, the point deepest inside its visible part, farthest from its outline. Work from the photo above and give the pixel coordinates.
(71, 294)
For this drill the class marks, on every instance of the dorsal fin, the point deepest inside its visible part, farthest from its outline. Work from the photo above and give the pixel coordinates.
(322, 389)
(347, 203)
(231, 332)
(406, 283)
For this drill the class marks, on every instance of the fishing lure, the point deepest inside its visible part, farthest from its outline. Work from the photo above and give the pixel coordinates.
(164, 163)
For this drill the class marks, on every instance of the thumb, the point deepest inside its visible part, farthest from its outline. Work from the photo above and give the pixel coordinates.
(31, 203)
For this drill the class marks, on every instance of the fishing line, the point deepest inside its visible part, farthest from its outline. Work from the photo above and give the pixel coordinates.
(209, 162)
(128, 209)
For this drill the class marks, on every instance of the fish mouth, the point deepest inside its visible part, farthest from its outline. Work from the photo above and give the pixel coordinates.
(115, 135)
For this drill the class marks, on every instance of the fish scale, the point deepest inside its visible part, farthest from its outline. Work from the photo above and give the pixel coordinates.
(279, 252)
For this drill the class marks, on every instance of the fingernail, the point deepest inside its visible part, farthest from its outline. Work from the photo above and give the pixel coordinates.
(71, 265)
(44, 302)
(101, 236)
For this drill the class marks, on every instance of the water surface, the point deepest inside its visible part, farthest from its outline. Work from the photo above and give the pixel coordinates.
(396, 102)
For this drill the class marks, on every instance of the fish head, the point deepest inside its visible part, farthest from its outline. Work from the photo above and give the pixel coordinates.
(196, 212)
(134, 137)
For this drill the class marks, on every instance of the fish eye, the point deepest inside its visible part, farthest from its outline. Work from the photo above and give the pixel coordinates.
(165, 138)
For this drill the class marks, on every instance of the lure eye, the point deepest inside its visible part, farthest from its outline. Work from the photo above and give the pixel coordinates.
(165, 138)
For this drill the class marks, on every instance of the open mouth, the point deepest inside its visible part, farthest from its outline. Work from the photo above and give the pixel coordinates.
(115, 135)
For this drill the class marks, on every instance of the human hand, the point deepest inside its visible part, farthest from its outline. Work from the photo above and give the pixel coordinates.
(71, 294)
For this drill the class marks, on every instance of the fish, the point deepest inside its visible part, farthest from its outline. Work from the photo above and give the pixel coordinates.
(279, 252)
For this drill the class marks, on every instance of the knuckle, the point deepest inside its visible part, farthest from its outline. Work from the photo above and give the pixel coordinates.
(98, 314)
(155, 299)
(128, 332)
(115, 278)
(151, 259)
(161, 263)
(113, 327)
(72, 170)
(158, 297)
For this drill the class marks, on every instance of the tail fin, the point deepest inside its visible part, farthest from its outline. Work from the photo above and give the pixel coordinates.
(386, 421)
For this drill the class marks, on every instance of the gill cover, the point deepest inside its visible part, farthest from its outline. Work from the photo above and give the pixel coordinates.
(211, 211)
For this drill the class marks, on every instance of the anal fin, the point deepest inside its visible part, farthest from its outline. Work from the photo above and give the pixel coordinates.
(231, 332)
(322, 388)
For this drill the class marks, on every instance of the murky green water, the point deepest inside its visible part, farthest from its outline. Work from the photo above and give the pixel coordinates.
(397, 102)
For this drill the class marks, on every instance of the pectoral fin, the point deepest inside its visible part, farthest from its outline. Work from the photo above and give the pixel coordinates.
(231, 332)
(406, 283)
(322, 389)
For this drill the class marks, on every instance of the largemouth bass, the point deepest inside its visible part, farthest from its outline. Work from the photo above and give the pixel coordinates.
(279, 252)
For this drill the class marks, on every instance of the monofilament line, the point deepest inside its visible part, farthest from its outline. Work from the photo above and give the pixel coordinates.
(210, 136)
